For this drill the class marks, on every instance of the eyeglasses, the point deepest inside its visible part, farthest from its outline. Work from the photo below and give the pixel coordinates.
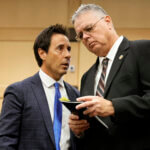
(88, 29)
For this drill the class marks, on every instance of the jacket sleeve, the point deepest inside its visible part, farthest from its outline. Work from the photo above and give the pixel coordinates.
(10, 118)
(135, 105)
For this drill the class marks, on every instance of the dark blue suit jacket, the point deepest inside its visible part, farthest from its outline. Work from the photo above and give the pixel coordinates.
(25, 121)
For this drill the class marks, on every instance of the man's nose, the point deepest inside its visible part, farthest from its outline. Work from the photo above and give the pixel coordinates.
(85, 36)
(67, 53)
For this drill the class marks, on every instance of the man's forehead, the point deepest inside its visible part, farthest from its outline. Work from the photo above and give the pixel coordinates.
(88, 14)
(59, 36)
(59, 39)
(85, 19)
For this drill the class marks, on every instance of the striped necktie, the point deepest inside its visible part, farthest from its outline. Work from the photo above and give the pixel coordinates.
(57, 116)
(101, 84)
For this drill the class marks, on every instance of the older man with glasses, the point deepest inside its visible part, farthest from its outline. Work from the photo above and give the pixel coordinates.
(116, 89)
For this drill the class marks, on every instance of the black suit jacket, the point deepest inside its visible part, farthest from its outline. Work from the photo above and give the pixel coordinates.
(128, 87)
(25, 121)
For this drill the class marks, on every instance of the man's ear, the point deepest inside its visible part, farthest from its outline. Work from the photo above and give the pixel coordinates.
(108, 20)
(42, 53)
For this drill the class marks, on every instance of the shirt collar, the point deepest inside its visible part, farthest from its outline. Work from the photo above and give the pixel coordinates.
(112, 53)
(49, 81)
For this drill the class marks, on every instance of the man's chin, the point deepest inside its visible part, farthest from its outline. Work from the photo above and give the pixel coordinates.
(95, 49)
(63, 72)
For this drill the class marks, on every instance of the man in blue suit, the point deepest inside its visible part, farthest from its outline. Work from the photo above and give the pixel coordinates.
(26, 120)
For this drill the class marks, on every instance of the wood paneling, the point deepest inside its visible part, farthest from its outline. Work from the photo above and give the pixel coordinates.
(19, 34)
(16, 62)
(33, 13)
(72, 7)
(134, 33)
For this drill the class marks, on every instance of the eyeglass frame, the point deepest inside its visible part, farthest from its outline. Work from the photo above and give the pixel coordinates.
(88, 29)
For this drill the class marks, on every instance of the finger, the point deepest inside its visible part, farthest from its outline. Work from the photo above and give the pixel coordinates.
(89, 111)
(86, 98)
(85, 105)
(79, 131)
(79, 127)
(77, 122)
(74, 117)
(93, 114)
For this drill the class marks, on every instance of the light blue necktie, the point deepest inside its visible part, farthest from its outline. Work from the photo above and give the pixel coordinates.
(57, 116)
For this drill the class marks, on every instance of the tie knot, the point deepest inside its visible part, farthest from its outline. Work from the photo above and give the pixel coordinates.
(56, 84)
(105, 61)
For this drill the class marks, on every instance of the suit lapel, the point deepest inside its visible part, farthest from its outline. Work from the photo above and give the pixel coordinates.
(119, 58)
(70, 92)
(43, 104)
(91, 79)
(87, 87)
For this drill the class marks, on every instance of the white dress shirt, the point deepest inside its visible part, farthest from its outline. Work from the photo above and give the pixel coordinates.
(111, 55)
(48, 85)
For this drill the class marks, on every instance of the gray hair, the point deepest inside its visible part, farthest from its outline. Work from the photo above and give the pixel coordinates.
(87, 7)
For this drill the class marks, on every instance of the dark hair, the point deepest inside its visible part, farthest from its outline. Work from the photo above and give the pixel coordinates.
(43, 40)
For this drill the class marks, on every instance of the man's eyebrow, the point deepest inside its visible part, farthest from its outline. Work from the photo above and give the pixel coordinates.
(60, 45)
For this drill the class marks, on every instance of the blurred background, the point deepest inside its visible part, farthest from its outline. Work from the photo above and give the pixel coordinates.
(22, 20)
